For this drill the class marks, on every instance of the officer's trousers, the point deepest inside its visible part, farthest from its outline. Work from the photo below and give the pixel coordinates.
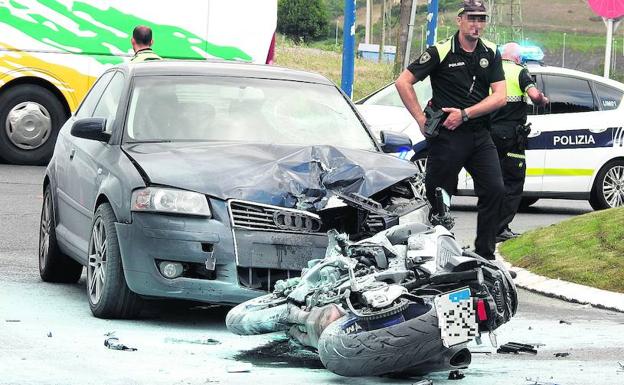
(473, 149)
(513, 166)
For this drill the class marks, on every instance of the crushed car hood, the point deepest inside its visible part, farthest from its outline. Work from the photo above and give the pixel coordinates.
(287, 176)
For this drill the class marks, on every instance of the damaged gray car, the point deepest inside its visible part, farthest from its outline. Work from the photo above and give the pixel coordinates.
(211, 181)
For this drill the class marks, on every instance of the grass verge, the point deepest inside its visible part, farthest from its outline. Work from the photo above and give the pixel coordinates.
(368, 77)
(588, 250)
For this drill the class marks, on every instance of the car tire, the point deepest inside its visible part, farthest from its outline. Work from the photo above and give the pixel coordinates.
(37, 116)
(54, 266)
(420, 161)
(525, 203)
(608, 189)
(107, 291)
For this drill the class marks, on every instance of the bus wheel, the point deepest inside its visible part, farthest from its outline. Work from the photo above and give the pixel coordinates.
(30, 118)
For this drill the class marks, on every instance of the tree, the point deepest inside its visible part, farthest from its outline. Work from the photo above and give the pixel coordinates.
(303, 19)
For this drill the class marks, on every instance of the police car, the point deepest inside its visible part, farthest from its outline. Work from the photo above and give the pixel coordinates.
(576, 145)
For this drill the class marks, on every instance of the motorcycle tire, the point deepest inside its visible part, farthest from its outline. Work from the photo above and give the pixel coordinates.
(411, 347)
(265, 314)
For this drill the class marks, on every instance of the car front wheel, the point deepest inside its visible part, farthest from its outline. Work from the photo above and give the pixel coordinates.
(108, 293)
(608, 189)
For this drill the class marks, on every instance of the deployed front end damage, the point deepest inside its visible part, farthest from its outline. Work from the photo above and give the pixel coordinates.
(271, 210)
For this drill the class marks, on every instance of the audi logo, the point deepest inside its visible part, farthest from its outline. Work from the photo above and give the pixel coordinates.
(293, 221)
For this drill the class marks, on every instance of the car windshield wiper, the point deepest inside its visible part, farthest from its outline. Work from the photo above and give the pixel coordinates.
(149, 141)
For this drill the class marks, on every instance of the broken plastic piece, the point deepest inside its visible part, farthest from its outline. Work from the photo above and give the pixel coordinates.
(516, 348)
(565, 322)
(456, 375)
(564, 354)
(114, 344)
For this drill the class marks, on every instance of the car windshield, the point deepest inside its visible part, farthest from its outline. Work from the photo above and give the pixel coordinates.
(203, 108)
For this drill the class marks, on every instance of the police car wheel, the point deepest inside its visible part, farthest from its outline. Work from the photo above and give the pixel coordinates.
(608, 189)
(420, 161)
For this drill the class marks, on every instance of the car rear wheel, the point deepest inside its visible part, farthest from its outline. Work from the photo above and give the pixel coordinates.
(108, 293)
(54, 266)
(608, 189)
(420, 161)
(30, 118)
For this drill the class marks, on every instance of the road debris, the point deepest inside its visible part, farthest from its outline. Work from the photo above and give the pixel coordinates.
(516, 348)
(49, 334)
(204, 341)
(565, 322)
(621, 369)
(562, 354)
(114, 344)
(242, 367)
(538, 382)
(423, 382)
(12, 320)
(456, 375)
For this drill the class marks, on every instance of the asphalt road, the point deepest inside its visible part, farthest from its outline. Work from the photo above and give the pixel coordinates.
(48, 336)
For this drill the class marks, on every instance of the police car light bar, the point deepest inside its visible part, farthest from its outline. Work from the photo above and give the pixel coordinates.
(532, 53)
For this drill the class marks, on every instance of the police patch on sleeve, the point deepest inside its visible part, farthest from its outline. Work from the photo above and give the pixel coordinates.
(425, 57)
(484, 63)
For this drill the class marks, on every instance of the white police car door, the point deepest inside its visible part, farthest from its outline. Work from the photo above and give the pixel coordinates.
(571, 136)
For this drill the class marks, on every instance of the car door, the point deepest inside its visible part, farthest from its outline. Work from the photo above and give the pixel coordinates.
(85, 164)
(70, 210)
(570, 135)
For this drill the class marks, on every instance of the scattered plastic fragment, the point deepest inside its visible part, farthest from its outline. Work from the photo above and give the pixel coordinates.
(50, 334)
(516, 348)
(242, 367)
(456, 374)
(565, 322)
(423, 382)
(114, 344)
(562, 354)
(206, 341)
(621, 369)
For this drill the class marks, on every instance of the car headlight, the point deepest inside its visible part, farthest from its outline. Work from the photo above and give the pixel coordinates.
(167, 200)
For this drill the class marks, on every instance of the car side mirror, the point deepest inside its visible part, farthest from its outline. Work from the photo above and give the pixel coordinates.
(392, 142)
(91, 128)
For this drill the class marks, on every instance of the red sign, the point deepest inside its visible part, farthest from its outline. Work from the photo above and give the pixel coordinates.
(610, 9)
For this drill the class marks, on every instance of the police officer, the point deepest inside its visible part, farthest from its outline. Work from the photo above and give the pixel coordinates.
(141, 44)
(510, 133)
(462, 70)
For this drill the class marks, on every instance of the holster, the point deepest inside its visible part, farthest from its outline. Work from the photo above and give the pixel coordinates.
(435, 120)
(522, 135)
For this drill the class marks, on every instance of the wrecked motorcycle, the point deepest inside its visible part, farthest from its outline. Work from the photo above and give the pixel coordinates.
(404, 302)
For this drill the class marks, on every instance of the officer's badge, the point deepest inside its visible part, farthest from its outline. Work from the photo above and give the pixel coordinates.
(484, 63)
(425, 57)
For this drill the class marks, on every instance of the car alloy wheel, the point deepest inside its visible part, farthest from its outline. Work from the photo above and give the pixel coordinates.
(96, 271)
(421, 165)
(44, 230)
(613, 186)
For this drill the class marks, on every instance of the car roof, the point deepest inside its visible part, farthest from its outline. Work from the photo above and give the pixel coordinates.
(221, 68)
(545, 69)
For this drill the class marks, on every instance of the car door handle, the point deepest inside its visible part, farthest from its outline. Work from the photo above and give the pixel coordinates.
(534, 133)
(72, 153)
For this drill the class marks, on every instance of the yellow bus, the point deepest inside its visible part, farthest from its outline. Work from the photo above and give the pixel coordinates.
(51, 52)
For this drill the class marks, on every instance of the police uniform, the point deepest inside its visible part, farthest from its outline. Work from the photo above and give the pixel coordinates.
(461, 79)
(145, 54)
(506, 132)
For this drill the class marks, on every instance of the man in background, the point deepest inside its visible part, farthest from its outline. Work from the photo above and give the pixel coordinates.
(510, 133)
(141, 44)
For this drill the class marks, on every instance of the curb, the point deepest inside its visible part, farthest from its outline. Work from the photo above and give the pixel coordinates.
(567, 291)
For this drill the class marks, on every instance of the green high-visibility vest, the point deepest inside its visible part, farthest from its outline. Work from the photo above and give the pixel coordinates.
(512, 78)
(144, 55)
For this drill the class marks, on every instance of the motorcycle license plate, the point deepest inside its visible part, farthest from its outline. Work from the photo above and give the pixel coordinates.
(456, 317)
